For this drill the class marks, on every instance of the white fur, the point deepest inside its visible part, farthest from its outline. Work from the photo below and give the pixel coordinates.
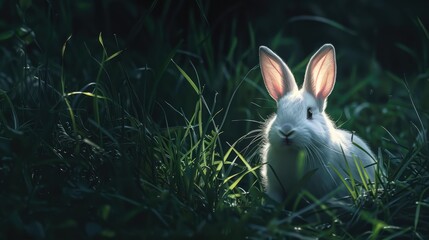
(314, 144)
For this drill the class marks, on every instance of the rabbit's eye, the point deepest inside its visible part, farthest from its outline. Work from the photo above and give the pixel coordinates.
(309, 113)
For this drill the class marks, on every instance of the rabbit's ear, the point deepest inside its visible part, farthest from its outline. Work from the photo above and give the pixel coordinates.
(277, 76)
(320, 75)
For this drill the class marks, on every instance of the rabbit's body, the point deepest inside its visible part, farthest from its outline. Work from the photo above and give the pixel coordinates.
(301, 144)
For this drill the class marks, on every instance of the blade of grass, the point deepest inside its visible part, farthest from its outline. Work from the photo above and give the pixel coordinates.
(69, 108)
(113, 55)
(425, 31)
(324, 21)
(186, 76)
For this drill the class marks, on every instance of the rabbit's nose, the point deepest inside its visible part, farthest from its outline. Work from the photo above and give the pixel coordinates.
(286, 130)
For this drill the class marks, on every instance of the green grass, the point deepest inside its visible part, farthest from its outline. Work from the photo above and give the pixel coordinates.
(154, 132)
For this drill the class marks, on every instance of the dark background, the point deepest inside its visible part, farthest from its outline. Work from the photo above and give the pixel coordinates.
(373, 28)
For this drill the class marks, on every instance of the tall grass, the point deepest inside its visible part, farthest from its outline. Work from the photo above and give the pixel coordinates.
(99, 140)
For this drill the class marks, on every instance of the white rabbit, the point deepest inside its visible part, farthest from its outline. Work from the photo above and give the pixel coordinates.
(300, 139)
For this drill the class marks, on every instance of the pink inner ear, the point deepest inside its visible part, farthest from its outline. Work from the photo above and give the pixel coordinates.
(323, 74)
(273, 76)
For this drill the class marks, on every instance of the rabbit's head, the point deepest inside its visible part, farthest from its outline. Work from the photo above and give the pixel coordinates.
(300, 120)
